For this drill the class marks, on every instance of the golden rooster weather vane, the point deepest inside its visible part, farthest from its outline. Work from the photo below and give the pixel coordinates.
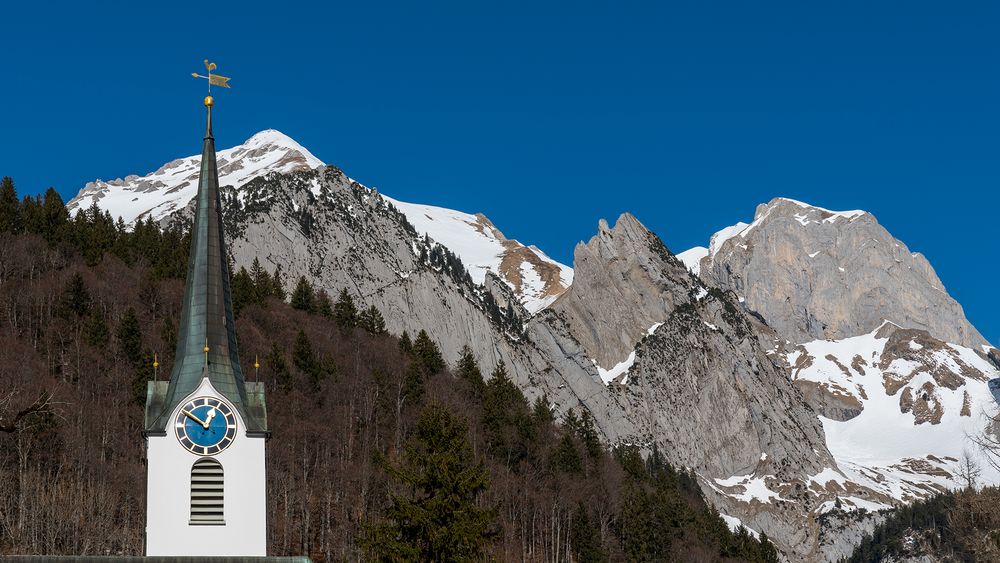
(213, 79)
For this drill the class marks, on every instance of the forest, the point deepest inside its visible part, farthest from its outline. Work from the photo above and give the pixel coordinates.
(382, 449)
(957, 526)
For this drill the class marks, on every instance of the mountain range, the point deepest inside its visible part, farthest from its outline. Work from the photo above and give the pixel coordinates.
(810, 369)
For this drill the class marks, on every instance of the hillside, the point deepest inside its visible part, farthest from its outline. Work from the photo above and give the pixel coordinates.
(87, 304)
(954, 527)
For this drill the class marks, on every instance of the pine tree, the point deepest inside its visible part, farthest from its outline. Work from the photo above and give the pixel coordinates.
(9, 207)
(413, 384)
(31, 214)
(242, 288)
(541, 412)
(323, 305)
(371, 320)
(588, 435)
(263, 285)
(76, 299)
(585, 538)
(53, 215)
(278, 284)
(427, 353)
(95, 332)
(275, 364)
(129, 337)
(468, 369)
(405, 344)
(344, 311)
(506, 419)
(566, 457)
(303, 297)
(435, 515)
(304, 359)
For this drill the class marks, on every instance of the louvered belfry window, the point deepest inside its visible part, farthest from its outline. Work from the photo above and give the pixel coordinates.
(206, 492)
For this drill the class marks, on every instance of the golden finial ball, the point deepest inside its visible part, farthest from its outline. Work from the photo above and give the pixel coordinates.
(209, 102)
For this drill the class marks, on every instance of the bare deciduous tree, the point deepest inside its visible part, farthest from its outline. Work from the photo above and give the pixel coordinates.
(969, 470)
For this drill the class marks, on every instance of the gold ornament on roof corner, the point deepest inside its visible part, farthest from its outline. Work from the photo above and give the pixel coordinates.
(213, 80)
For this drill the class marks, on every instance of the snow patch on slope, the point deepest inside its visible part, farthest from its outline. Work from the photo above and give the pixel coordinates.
(621, 369)
(483, 248)
(692, 258)
(884, 448)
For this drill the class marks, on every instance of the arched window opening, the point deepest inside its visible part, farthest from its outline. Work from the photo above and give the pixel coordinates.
(206, 492)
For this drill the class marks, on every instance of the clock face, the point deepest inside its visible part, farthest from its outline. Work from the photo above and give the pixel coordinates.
(205, 426)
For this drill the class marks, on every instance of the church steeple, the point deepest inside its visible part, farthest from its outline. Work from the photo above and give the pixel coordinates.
(206, 346)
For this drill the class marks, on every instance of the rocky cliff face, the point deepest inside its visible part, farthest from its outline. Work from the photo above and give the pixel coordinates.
(814, 273)
(625, 282)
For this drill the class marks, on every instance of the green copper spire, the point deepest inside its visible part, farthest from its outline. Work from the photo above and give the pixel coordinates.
(206, 346)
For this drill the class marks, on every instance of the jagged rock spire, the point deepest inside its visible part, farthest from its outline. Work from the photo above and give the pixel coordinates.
(206, 345)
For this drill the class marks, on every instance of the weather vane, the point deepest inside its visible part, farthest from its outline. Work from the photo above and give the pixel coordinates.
(216, 79)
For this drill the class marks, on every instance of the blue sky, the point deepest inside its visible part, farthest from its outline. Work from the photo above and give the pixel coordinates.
(548, 117)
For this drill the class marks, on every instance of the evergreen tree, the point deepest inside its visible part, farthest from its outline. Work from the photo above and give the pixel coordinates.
(435, 515)
(303, 357)
(371, 320)
(426, 352)
(323, 305)
(303, 297)
(541, 412)
(263, 285)
(405, 344)
(242, 288)
(413, 384)
(506, 419)
(344, 311)
(31, 214)
(585, 538)
(566, 457)
(571, 421)
(768, 553)
(9, 208)
(468, 369)
(274, 363)
(278, 284)
(588, 435)
(53, 215)
(129, 337)
(95, 332)
(75, 299)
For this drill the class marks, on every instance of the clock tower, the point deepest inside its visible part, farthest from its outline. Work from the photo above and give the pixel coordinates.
(206, 427)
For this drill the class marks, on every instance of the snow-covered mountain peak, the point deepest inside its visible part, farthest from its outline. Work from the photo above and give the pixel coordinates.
(162, 192)
(815, 273)
(271, 140)
(536, 279)
(827, 215)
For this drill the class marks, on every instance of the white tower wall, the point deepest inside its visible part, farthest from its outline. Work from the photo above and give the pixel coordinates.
(168, 494)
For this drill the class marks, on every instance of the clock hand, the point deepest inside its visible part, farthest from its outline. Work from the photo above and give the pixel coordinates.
(194, 418)
(211, 415)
